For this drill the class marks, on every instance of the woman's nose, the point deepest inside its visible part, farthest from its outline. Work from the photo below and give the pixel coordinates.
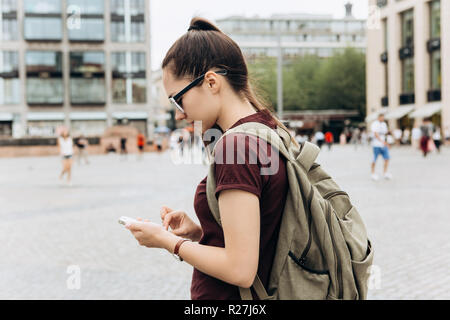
(179, 115)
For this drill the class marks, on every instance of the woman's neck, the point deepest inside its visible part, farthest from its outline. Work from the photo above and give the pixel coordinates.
(234, 111)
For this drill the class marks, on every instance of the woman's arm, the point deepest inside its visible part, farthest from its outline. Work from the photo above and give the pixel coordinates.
(237, 263)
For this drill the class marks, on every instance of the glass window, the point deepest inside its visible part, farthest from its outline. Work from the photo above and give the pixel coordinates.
(9, 61)
(9, 91)
(435, 19)
(45, 91)
(117, 31)
(117, 7)
(42, 6)
(86, 91)
(139, 90)
(42, 28)
(91, 29)
(408, 28)
(88, 6)
(137, 32)
(119, 91)
(87, 82)
(44, 77)
(9, 78)
(10, 29)
(137, 62)
(436, 70)
(137, 7)
(408, 75)
(43, 61)
(90, 62)
(129, 82)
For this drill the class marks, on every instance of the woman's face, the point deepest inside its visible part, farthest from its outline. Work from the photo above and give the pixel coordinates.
(201, 103)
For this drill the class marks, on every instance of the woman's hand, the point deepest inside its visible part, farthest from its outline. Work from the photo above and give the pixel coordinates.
(180, 223)
(151, 235)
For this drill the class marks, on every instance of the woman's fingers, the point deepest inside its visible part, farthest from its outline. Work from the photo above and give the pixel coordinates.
(164, 210)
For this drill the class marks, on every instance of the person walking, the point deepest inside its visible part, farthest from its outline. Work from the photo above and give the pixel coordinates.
(416, 134)
(140, 144)
(380, 146)
(329, 139)
(65, 145)
(82, 144)
(437, 138)
(319, 137)
(206, 77)
(426, 129)
(123, 147)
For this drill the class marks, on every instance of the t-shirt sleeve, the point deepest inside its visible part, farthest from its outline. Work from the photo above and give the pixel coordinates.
(237, 165)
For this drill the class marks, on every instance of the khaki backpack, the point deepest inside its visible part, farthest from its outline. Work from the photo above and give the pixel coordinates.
(322, 251)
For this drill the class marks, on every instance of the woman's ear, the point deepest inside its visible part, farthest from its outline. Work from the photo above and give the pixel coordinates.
(213, 82)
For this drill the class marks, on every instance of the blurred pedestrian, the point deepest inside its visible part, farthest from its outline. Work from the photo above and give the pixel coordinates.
(415, 137)
(65, 145)
(390, 139)
(140, 145)
(437, 138)
(82, 144)
(342, 139)
(356, 137)
(329, 139)
(159, 142)
(405, 136)
(380, 146)
(397, 134)
(426, 129)
(319, 137)
(123, 147)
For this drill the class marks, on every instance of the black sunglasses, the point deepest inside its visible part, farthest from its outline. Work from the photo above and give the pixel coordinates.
(174, 99)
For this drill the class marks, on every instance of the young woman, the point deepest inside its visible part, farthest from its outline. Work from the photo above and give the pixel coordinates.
(205, 74)
(65, 144)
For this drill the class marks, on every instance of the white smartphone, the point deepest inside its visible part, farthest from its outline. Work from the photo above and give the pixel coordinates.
(123, 220)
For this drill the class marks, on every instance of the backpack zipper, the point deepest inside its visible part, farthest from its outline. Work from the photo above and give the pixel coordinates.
(338, 265)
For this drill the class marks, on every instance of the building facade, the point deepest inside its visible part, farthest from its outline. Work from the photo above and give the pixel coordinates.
(82, 64)
(298, 34)
(408, 65)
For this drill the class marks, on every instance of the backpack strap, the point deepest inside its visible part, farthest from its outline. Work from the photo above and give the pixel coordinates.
(308, 155)
(279, 140)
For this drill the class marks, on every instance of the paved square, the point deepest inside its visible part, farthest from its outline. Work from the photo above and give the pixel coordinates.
(50, 233)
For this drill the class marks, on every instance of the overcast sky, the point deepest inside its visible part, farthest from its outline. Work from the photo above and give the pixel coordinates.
(170, 18)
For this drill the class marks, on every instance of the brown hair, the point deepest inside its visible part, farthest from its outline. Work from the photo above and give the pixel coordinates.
(205, 47)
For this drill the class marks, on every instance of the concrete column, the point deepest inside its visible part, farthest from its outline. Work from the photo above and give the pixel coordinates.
(108, 64)
(445, 64)
(421, 55)
(374, 67)
(151, 101)
(66, 66)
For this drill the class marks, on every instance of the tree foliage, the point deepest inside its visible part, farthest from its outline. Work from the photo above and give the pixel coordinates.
(312, 83)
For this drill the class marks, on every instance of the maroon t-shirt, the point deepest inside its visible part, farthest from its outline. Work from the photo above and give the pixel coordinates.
(271, 190)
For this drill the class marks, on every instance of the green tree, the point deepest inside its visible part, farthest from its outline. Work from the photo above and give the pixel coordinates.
(312, 83)
(341, 82)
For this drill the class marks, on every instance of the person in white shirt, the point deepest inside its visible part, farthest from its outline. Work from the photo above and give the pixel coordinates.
(319, 137)
(437, 138)
(379, 131)
(65, 144)
(416, 134)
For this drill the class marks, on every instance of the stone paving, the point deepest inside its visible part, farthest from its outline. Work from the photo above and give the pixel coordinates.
(48, 230)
